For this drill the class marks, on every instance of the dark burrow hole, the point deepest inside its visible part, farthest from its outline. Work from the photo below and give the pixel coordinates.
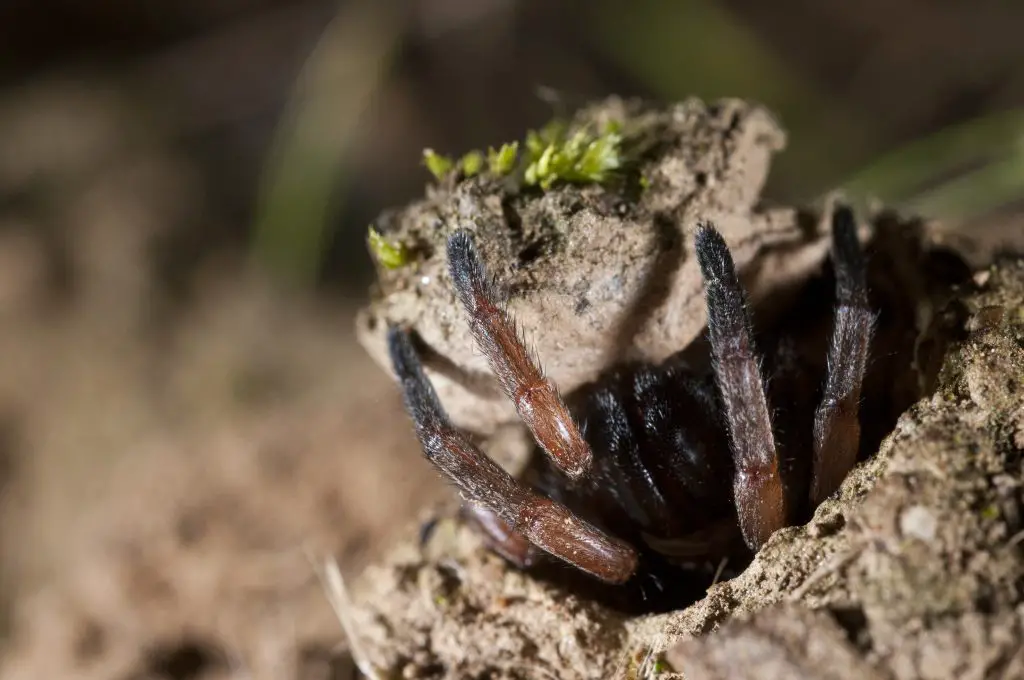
(450, 579)
(531, 251)
(854, 623)
(185, 659)
(795, 364)
(654, 592)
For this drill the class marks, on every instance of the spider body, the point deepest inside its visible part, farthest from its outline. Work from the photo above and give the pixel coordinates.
(659, 473)
(654, 466)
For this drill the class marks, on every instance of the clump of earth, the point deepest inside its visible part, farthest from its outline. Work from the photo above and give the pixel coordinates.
(595, 276)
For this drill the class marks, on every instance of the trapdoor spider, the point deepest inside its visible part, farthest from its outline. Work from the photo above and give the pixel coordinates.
(639, 465)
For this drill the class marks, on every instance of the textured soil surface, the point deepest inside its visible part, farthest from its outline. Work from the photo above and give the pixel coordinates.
(918, 559)
(607, 275)
(912, 570)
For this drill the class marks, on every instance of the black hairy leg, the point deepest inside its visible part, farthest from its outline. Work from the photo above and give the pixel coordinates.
(837, 421)
(547, 524)
(757, 482)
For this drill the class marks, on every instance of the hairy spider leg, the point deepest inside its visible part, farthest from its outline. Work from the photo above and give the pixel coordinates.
(535, 397)
(757, 481)
(501, 537)
(547, 524)
(837, 421)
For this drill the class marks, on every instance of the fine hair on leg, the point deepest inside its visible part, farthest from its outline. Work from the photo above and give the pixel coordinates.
(757, 482)
(535, 397)
(837, 419)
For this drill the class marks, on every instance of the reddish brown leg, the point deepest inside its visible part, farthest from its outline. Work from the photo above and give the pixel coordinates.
(536, 399)
(837, 422)
(501, 537)
(549, 525)
(757, 484)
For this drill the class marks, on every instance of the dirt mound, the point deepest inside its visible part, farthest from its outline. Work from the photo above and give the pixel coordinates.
(594, 276)
(911, 571)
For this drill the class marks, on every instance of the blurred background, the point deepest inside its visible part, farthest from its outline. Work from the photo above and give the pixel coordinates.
(185, 189)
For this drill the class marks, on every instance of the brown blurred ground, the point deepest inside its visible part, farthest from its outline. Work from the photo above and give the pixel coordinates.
(150, 375)
(169, 468)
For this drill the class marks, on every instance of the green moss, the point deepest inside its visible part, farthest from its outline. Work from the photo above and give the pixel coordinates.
(438, 165)
(554, 154)
(472, 163)
(502, 161)
(990, 512)
(391, 255)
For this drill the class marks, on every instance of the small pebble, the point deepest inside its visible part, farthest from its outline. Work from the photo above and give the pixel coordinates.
(918, 521)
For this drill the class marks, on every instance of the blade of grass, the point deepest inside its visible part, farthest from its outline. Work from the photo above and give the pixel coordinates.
(902, 176)
(329, 573)
(300, 184)
(974, 194)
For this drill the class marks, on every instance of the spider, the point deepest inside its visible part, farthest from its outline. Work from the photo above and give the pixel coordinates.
(650, 466)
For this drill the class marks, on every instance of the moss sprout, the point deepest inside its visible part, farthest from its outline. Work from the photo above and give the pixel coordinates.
(552, 154)
(391, 255)
(472, 163)
(438, 165)
(555, 155)
(502, 161)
